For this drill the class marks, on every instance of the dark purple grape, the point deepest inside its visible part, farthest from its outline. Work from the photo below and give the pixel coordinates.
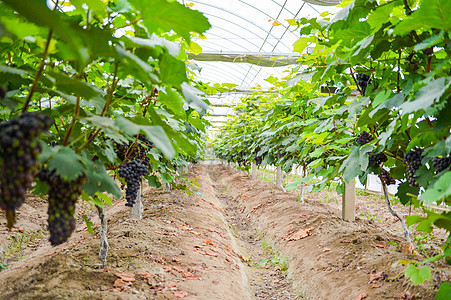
(19, 158)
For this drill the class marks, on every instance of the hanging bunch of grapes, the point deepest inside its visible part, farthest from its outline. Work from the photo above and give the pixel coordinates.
(138, 150)
(412, 159)
(362, 81)
(364, 138)
(386, 177)
(132, 172)
(63, 194)
(19, 159)
(441, 163)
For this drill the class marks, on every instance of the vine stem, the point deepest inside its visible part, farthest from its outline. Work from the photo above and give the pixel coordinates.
(394, 213)
(74, 120)
(355, 80)
(398, 87)
(104, 110)
(39, 71)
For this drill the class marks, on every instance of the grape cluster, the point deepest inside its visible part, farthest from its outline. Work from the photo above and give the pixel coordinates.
(139, 151)
(386, 177)
(364, 138)
(259, 159)
(19, 151)
(63, 195)
(441, 163)
(412, 159)
(132, 171)
(377, 159)
(362, 81)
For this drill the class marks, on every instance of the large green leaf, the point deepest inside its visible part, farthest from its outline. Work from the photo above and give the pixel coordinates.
(100, 181)
(155, 41)
(351, 165)
(157, 136)
(66, 162)
(439, 191)
(431, 14)
(172, 70)
(426, 97)
(163, 16)
(416, 275)
(173, 100)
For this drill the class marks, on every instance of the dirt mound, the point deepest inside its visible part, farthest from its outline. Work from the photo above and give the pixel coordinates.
(232, 239)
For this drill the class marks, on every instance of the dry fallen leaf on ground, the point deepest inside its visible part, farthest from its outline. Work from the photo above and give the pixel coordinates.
(125, 276)
(300, 234)
(120, 283)
(377, 276)
(180, 294)
(208, 242)
(407, 296)
(361, 296)
(346, 241)
(184, 227)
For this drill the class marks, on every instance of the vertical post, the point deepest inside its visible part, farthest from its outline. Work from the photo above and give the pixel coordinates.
(254, 171)
(348, 203)
(279, 177)
(103, 251)
(136, 212)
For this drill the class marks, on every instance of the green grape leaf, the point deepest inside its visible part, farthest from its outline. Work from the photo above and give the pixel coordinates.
(172, 70)
(158, 137)
(88, 224)
(406, 192)
(71, 85)
(100, 181)
(163, 16)
(431, 14)
(105, 198)
(444, 291)
(66, 162)
(439, 191)
(192, 97)
(19, 28)
(351, 165)
(416, 275)
(426, 96)
(153, 181)
(154, 41)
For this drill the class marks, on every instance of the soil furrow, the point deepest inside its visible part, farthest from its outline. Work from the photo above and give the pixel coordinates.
(265, 268)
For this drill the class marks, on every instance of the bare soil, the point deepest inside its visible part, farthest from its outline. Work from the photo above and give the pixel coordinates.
(230, 240)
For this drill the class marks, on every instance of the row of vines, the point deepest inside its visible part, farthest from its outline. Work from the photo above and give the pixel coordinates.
(93, 93)
(388, 65)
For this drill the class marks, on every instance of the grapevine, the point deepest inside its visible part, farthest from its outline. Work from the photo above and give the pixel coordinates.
(19, 159)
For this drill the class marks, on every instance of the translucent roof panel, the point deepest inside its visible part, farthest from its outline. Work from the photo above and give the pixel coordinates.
(248, 26)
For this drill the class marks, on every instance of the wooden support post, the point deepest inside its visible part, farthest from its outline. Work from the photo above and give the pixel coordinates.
(254, 171)
(136, 212)
(279, 177)
(348, 203)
